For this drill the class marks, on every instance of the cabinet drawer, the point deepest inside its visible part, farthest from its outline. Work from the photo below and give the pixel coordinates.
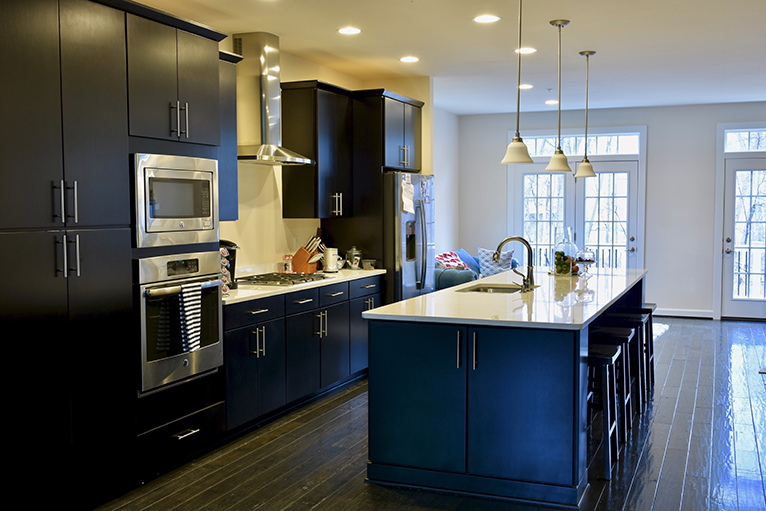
(255, 311)
(301, 301)
(365, 286)
(177, 440)
(333, 293)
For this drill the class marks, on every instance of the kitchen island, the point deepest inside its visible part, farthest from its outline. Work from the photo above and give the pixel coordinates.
(478, 390)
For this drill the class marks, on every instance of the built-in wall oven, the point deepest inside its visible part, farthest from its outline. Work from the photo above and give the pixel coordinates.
(176, 200)
(181, 317)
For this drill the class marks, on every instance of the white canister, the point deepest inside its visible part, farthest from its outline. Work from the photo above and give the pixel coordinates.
(331, 260)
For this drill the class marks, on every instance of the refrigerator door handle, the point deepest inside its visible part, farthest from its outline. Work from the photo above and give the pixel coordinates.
(421, 283)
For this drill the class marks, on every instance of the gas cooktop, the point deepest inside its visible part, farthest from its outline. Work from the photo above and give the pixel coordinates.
(279, 279)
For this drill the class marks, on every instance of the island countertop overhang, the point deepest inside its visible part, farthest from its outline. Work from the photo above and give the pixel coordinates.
(562, 303)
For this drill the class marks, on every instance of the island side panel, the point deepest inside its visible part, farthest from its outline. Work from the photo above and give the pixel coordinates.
(417, 395)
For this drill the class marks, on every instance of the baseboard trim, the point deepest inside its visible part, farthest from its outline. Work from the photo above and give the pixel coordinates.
(685, 313)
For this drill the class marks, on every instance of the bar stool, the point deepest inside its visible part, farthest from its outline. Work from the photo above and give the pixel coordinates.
(603, 357)
(636, 321)
(619, 337)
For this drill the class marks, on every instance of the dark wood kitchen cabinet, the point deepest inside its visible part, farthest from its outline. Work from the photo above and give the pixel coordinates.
(73, 401)
(173, 83)
(365, 294)
(254, 359)
(391, 125)
(72, 93)
(317, 122)
(228, 199)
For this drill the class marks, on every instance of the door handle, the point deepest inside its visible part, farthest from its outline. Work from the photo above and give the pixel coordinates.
(185, 434)
(728, 239)
(257, 350)
(63, 244)
(185, 108)
(728, 251)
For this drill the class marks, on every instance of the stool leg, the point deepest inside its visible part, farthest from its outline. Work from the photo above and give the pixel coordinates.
(622, 393)
(650, 344)
(636, 353)
(609, 407)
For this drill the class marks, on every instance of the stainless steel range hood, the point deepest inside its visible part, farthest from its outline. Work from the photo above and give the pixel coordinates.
(259, 131)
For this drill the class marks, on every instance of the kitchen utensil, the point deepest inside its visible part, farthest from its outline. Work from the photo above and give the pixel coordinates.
(316, 257)
(332, 261)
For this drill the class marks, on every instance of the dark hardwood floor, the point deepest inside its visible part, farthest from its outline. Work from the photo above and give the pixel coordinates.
(701, 445)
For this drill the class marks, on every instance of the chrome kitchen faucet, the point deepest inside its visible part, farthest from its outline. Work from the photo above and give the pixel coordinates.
(528, 282)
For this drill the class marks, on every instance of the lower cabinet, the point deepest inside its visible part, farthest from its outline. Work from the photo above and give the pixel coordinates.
(358, 330)
(255, 371)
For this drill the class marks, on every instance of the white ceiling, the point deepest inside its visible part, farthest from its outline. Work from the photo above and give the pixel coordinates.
(649, 52)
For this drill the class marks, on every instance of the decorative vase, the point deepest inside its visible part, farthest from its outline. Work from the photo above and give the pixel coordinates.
(563, 252)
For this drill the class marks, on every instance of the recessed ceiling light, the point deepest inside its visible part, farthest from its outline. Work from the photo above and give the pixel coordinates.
(409, 59)
(525, 86)
(551, 102)
(486, 18)
(349, 30)
(524, 51)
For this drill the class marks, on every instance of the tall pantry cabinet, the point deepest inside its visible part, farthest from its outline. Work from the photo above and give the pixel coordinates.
(65, 243)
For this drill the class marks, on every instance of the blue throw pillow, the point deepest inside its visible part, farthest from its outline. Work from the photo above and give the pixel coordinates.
(469, 260)
(489, 267)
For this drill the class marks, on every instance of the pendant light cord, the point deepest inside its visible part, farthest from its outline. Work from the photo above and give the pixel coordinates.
(559, 141)
(518, 77)
(587, 74)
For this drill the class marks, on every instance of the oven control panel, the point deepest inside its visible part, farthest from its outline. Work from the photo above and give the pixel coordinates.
(178, 266)
(183, 267)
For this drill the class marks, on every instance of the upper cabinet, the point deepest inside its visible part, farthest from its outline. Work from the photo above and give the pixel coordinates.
(68, 90)
(173, 83)
(392, 130)
(317, 122)
(228, 208)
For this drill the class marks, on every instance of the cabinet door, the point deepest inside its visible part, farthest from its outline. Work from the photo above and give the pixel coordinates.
(393, 112)
(30, 109)
(302, 354)
(198, 85)
(228, 198)
(152, 79)
(412, 135)
(358, 330)
(417, 382)
(103, 356)
(271, 367)
(334, 344)
(512, 417)
(241, 363)
(94, 105)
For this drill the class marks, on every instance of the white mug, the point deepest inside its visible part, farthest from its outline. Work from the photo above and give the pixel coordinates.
(331, 260)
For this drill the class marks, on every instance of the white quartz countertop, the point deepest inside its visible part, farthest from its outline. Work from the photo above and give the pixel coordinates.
(566, 303)
(247, 292)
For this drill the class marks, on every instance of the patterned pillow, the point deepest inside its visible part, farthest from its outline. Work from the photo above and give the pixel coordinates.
(489, 267)
(449, 260)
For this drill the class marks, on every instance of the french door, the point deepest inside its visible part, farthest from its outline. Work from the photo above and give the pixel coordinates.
(603, 211)
(744, 239)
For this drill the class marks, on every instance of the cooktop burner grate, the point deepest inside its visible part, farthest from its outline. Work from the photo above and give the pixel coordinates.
(279, 279)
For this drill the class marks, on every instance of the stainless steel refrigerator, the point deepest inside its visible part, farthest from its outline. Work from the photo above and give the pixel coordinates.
(393, 222)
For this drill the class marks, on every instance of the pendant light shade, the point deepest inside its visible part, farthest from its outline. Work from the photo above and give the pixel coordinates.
(585, 169)
(517, 151)
(559, 161)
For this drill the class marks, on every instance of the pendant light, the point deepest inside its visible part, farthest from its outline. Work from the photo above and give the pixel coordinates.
(585, 169)
(517, 151)
(558, 161)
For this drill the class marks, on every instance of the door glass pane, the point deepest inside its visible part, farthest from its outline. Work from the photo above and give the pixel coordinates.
(606, 218)
(543, 212)
(749, 235)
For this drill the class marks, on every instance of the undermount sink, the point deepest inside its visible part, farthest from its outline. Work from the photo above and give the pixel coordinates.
(493, 288)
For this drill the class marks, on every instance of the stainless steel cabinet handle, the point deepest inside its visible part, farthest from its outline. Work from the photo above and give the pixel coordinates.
(76, 254)
(338, 293)
(62, 196)
(474, 351)
(177, 108)
(63, 244)
(186, 109)
(185, 434)
(263, 341)
(305, 300)
(369, 286)
(321, 317)
(458, 349)
(257, 333)
(340, 203)
(403, 156)
(76, 215)
(326, 322)
(259, 311)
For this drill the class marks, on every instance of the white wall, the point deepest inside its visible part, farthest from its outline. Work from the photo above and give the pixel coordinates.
(446, 180)
(680, 189)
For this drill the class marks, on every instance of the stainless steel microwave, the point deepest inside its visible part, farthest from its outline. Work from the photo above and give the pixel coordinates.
(176, 200)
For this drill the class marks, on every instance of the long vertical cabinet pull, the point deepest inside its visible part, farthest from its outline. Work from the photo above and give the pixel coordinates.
(474, 351)
(458, 349)
(263, 341)
(62, 197)
(76, 242)
(177, 108)
(75, 194)
(322, 321)
(185, 108)
(257, 351)
(63, 244)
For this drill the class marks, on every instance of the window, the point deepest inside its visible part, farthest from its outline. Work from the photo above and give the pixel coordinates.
(543, 213)
(572, 145)
(739, 141)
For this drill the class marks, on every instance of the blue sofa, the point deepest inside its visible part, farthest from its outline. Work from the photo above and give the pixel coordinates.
(451, 277)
